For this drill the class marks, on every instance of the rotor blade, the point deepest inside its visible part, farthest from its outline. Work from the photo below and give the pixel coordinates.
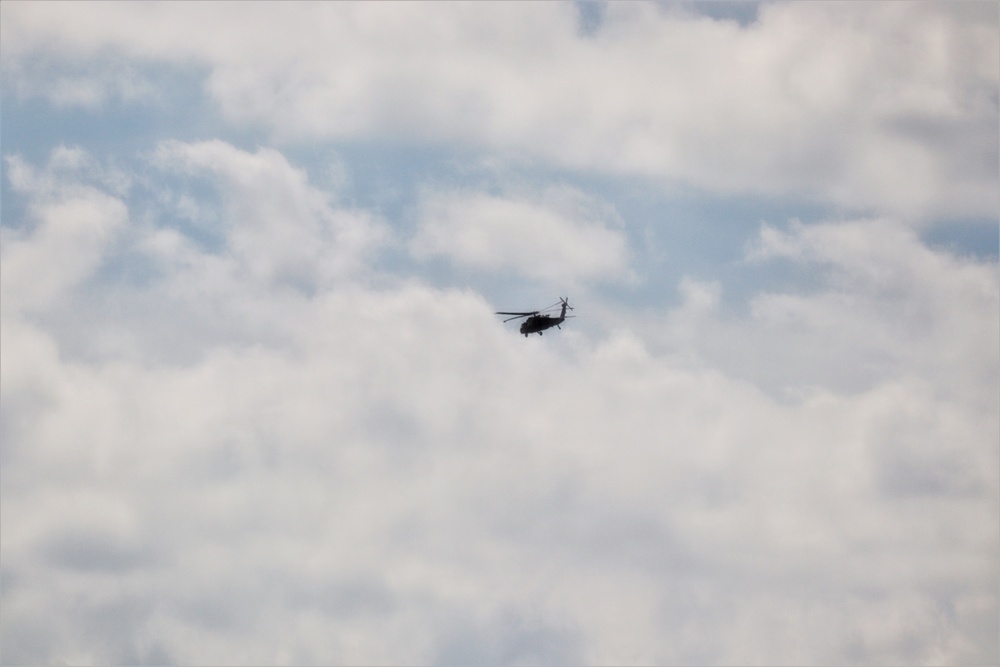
(503, 312)
(516, 315)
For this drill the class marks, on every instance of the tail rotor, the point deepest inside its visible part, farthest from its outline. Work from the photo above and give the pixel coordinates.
(565, 304)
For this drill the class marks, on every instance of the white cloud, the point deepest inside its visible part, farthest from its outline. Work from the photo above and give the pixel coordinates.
(385, 475)
(90, 87)
(886, 305)
(72, 230)
(279, 227)
(70, 171)
(883, 106)
(559, 235)
(227, 438)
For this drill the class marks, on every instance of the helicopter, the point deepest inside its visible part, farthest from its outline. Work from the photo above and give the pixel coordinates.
(538, 321)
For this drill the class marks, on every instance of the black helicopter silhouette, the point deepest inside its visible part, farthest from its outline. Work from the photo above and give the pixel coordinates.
(538, 321)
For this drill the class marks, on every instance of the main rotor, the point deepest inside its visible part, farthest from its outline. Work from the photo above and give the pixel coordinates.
(562, 303)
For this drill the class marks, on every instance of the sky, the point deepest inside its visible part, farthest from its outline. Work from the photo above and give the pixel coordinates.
(257, 407)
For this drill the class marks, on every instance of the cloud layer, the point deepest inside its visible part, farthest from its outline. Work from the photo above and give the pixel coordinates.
(560, 236)
(887, 106)
(332, 472)
(256, 406)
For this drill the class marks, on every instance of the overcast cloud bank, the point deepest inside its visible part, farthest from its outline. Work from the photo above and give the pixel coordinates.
(244, 421)
(889, 105)
(584, 503)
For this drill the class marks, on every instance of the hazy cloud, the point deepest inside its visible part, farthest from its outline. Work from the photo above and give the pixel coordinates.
(390, 463)
(281, 228)
(253, 413)
(884, 106)
(67, 238)
(559, 235)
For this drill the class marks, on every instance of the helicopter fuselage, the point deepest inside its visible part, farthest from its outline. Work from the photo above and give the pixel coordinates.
(539, 323)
